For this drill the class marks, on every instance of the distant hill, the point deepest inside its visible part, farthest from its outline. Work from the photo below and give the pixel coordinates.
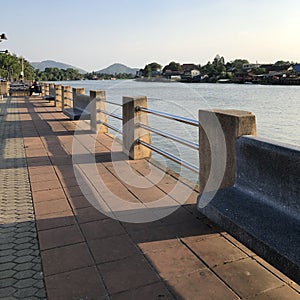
(53, 64)
(117, 69)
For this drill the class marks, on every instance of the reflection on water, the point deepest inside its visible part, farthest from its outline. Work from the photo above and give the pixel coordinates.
(277, 108)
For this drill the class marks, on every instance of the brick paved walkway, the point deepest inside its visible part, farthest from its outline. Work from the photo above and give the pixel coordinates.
(86, 255)
(20, 263)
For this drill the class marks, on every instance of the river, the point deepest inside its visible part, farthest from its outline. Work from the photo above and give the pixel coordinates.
(277, 108)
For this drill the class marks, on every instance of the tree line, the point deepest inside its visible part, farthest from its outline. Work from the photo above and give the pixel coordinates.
(213, 70)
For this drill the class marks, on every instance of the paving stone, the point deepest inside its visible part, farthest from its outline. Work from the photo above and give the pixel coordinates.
(82, 284)
(128, 273)
(65, 259)
(25, 274)
(247, 277)
(215, 251)
(175, 261)
(200, 285)
(112, 248)
(5, 292)
(7, 282)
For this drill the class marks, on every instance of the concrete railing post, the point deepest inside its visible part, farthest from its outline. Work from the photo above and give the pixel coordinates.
(66, 96)
(77, 91)
(43, 89)
(47, 89)
(97, 105)
(52, 90)
(58, 96)
(218, 132)
(131, 131)
(4, 88)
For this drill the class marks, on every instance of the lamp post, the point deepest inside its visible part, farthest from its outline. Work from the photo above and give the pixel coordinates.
(3, 37)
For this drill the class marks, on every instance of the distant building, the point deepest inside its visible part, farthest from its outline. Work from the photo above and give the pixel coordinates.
(250, 66)
(296, 68)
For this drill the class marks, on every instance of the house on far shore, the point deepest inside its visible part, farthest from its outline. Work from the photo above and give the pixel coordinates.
(296, 68)
(189, 71)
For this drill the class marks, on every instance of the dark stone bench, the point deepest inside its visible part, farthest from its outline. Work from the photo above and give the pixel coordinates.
(80, 108)
(262, 209)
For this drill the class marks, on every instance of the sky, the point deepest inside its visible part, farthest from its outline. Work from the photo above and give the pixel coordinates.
(94, 34)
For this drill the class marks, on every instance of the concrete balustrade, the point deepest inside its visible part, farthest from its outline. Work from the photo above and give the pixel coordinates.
(4, 88)
(131, 131)
(66, 96)
(218, 132)
(58, 96)
(97, 108)
(253, 184)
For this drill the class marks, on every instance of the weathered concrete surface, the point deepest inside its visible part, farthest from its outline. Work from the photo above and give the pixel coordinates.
(262, 209)
(218, 132)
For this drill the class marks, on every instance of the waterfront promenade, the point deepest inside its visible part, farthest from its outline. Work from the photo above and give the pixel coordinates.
(56, 245)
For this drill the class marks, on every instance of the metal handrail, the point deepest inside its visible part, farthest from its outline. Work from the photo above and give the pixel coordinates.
(169, 116)
(119, 117)
(175, 138)
(170, 156)
(112, 127)
(113, 103)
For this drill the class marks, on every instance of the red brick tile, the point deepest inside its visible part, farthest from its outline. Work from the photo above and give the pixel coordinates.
(78, 202)
(150, 292)
(101, 229)
(51, 206)
(54, 220)
(282, 293)
(200, 285)
(79, 284)
(41, 170)
(112, 248)
(247, 277)
(43, 177)
(89, 214)
(45, 185)
(216, 251)
(59, 237)
(174, 261)
(127, 274)
(41, 196)
(65, 259)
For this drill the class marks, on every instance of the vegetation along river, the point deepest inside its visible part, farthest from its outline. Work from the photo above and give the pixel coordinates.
(277, 109)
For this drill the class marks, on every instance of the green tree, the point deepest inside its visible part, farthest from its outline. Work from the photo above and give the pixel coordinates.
(150, 68)
(173, 66)
(11, 67)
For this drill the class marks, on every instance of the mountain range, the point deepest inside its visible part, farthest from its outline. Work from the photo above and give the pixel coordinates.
(117, 69)
(42, 65)
(112, 69)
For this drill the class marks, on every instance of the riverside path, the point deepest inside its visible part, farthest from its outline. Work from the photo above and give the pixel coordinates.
(55, 245)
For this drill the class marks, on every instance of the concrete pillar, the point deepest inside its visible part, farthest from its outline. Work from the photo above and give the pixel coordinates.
(66, 96)
(77, 91)
(218, 132)
(52, 89)
(97, 104)
(58, 96)
(47, 93)
(4, 88)
(131, 131)
(43, 89)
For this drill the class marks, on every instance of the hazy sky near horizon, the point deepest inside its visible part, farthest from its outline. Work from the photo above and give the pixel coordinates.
(93, 34)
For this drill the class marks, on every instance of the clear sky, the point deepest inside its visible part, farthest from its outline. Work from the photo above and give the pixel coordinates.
(93, 34)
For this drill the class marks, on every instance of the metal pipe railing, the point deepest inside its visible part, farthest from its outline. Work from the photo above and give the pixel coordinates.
(113, 103)
(170, 156)
(169, 116)
(182, 141)
(112, 127)
(111, 114)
